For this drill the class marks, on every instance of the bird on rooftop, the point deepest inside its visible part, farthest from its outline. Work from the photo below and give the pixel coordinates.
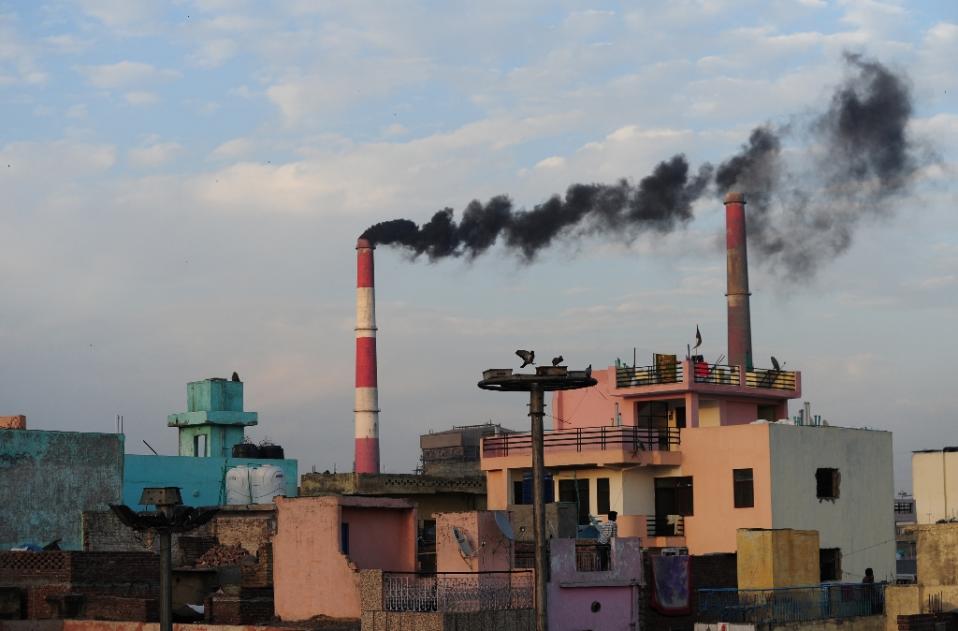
(557, 360)
(527, 357)
(588, 370)
(775, 364)
(235, 376)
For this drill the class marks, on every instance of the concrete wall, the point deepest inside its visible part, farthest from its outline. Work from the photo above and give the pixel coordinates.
(934, 480)
(47, 479)
(859, 521)
(572, 593)
(491, 551)
(937, 553)
(201, 480)
(311, 575)
(709, 454)
(768, 559)
(863, 623)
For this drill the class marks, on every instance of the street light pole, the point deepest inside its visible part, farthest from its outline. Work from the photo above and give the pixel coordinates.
(536, 412)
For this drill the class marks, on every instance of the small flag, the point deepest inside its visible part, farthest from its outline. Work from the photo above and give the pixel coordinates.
(698, 337)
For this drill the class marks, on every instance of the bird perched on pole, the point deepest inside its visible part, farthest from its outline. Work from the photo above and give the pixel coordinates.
(557, 360)
(527, 357)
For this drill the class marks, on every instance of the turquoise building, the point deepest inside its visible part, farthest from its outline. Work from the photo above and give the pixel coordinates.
(213, 423)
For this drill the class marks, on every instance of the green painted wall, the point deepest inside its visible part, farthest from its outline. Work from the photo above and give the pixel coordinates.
(47, 479)
(201, 480)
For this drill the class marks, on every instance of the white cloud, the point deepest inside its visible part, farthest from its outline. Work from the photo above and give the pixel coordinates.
(126, 73)
(232, 149)
(153, 154)
(140, 97)
(552, 162)
(213, 53)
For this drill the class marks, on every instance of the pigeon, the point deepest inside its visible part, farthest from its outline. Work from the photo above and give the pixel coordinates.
(235, 376)
(588, 370)
(775, 364)
(557, 360)
(527, 357)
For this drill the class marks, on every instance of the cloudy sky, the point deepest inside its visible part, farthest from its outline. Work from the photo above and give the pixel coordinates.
(183, 183)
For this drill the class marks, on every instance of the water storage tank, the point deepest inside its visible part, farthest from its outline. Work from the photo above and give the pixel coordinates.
(266, 482)
(245, 450)
(238, 485)
(271, 452)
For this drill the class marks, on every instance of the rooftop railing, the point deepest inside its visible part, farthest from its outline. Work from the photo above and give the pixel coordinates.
(628, 437)
(665, 525)
(631, 376)
(457, 592)
(704, 372)
(792, 604)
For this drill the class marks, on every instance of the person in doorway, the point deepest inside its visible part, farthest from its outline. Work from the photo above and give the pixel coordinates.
(871, 594)
(607, 532)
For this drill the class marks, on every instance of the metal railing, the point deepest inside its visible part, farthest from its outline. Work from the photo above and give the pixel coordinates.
(791, 604)
(630, 376)
(770, 378)
(457, 592)
(629, 437)
(665, 525)
(592, 557)
(716, 373)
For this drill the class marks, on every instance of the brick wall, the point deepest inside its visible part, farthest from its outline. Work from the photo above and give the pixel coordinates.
(248, 529)
(53, 582)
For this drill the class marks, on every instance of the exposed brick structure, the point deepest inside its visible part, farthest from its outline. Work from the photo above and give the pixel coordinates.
(83, 584)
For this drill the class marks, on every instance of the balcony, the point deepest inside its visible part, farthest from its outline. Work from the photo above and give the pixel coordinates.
(702, 376)
(456, 591)
(597, 445)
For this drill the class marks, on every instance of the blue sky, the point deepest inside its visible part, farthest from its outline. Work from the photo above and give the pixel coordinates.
(184, 181)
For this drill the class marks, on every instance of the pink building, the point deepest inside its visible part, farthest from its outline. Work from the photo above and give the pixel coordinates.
(322, 543)
(584, 595)
(687, 451)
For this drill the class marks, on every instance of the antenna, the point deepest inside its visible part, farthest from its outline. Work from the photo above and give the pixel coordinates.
(465, 548)
(502, 520)
(151, 448)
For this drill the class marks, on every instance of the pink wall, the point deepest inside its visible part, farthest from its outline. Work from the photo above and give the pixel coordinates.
(311, 576)
(492, 552)
(571, 593)
(381, 539)
(588, 407)
(708, 455)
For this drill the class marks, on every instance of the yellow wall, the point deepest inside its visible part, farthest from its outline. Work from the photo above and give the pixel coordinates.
(935, 485)
(777, 558)
(937, 554)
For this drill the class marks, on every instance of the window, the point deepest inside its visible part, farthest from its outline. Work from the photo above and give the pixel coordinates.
(199, 445)
(673, 496)
(826, 483)
(518, 497)
(830, 564)
(577, 492)
(602, 496)
(904, 507)
(344, 538)
(743, 488)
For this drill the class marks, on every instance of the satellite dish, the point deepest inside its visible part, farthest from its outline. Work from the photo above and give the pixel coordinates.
(775, 364)
(465, 548)
(502, 520)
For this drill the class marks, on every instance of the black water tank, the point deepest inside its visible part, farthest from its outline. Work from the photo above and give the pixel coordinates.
(271, 452)
(246, 450)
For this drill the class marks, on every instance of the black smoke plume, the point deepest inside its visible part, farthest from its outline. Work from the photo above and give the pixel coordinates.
(803, 205)
(858, 157)
(660, 202)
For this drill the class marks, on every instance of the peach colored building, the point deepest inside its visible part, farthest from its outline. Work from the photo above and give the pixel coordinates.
(322, 543)
(685, 453)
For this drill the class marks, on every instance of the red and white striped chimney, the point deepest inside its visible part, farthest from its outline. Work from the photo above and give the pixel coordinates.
(739, 317)
(367, 391)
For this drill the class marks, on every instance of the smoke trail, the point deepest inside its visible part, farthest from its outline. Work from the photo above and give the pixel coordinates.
(660, 202)
(858, 157)
(853, 159)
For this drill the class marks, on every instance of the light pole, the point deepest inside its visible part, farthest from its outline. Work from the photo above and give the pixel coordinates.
(546, 378)
(170, 516)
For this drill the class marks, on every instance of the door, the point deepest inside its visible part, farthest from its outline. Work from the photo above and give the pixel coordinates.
(673, 496)
(576, 491)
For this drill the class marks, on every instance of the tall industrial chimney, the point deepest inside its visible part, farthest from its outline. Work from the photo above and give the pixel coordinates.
(367, 391)
(739, 318)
